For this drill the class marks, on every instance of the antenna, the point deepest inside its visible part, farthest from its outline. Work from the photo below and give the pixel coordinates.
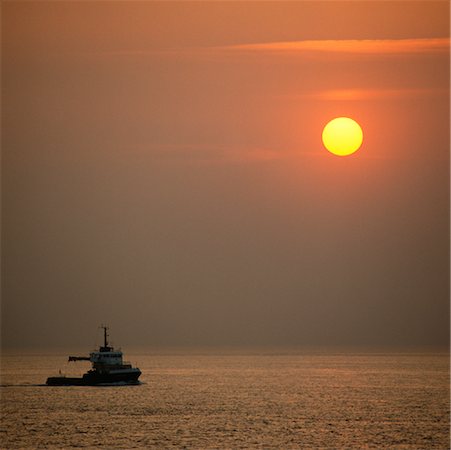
(105, 335)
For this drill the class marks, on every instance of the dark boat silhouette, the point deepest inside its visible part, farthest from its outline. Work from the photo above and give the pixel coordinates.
(107, 368)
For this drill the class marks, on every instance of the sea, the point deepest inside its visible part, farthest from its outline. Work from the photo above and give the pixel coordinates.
(240, 399)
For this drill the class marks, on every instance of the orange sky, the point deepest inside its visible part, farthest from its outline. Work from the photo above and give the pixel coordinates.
(170, 153)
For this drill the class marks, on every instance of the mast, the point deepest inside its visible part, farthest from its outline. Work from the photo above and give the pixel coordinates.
(105, 336)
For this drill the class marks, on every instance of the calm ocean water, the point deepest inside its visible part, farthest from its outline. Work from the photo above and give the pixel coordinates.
(202, 401)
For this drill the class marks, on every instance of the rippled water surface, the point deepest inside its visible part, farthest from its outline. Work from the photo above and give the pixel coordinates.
(201, 401)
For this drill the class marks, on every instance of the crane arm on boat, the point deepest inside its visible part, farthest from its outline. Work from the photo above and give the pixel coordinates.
(79, 358)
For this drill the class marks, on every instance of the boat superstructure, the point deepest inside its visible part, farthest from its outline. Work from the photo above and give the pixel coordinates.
(107, 367)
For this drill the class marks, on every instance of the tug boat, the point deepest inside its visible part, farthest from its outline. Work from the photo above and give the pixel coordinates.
(107, 368)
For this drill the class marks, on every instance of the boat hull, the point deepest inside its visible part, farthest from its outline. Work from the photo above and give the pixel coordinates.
(94, 378)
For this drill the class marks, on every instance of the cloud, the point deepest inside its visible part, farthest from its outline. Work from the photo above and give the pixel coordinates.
(206, 154)
(366, 46)
(352, 48)
(373, 94)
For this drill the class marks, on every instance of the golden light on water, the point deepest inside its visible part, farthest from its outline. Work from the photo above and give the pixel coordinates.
(342, 136)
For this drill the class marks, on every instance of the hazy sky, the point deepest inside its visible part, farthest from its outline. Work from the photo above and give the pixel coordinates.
(163, 171)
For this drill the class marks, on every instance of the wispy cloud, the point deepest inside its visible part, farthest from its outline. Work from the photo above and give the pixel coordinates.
(367, 46)
(373, 94)
(210, 153)
(346, 46)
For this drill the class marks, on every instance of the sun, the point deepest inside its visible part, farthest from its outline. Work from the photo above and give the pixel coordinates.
(342, 136)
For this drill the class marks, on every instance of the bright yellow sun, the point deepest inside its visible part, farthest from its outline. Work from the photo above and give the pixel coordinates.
(342, 136)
